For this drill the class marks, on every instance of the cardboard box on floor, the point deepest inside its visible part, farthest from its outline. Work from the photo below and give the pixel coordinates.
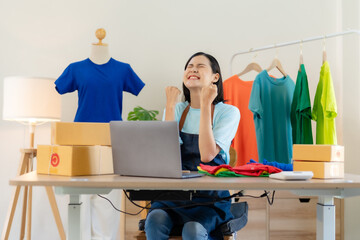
(318, 153)
(74, 160)
(322, 170)
(80, 133)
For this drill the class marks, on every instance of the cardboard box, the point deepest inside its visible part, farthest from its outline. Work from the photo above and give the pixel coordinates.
(322, 170)
(318, 153)
(74, 160)
(80, 133)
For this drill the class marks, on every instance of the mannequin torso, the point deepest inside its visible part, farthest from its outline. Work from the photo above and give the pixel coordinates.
(99, 54)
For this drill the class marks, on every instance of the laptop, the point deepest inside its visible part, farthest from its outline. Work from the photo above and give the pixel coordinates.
(147, 149)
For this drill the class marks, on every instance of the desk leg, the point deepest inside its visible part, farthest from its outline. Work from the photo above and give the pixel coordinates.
(55, 211)
(122, 215)
(74, 218)
(325, 222)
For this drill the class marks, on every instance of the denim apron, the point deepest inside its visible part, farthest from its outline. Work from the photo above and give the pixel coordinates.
(211, 216)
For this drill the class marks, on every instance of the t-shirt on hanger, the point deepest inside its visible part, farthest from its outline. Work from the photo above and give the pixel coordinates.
(301, 110)
(237, 93)
(270, 102)
(325, 109)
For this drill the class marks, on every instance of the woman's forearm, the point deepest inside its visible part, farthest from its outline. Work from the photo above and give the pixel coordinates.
(170, 113)
(207, 144)
(172, 94)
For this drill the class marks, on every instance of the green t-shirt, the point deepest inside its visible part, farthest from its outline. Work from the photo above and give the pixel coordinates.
(325, 110)
(301, 110)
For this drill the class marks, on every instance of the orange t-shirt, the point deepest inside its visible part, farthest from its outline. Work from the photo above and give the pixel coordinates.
(237, 93)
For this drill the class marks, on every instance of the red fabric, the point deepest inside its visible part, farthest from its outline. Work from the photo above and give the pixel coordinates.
(251, 169)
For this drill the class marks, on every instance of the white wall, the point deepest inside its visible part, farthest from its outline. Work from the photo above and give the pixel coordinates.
(351, 110)
(41, 38)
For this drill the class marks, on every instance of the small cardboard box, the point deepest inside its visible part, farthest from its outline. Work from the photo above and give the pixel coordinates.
(318, 153)
(322, 170)
(74, 160)
(80, 133)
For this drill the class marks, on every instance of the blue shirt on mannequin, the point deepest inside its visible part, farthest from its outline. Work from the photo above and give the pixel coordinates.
(100, 88)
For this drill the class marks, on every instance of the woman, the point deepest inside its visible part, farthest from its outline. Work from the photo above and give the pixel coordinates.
(207, 127)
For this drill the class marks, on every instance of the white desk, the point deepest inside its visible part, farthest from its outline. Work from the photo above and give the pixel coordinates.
(326, 190)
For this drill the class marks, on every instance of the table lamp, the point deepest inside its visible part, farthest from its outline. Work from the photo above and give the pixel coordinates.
(31, 101)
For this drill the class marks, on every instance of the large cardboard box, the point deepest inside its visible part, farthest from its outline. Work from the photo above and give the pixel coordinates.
(322, 170)
(74, 160)
(318, 153)
(80, 133)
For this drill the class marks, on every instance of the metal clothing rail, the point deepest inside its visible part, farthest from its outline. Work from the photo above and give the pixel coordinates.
(277, 45)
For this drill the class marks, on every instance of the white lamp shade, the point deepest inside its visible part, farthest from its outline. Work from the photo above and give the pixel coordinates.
(31, 99)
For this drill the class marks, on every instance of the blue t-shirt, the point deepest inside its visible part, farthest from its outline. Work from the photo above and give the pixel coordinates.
(100, 88)
(270, 102)
(225, 124)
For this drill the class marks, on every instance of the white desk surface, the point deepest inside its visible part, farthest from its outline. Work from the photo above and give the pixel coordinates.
(351, 181)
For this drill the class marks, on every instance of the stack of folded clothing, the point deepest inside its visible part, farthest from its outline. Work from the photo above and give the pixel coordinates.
(248, 170)
(76, 149)
(282, 166)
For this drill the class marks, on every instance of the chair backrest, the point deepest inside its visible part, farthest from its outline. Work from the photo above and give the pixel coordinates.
(240, 213)
(233, 157)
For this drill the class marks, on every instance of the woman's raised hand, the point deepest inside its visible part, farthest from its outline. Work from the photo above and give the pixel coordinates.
(208, 94)
(172, 95)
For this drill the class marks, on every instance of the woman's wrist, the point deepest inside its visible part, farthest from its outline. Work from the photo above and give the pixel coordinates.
(205, 104)
(170, 106)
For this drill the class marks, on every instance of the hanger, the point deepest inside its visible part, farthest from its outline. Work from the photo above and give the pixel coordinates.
(324, 57)
(276, 63)
(100, 34)
(253, 66)
(301, 55)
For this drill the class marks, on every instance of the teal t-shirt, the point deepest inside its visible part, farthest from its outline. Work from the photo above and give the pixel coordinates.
(325, 110)
(270, 102)
(301, 110)
(225, 124)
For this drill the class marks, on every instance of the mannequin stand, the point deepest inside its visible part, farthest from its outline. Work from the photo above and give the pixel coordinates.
(26, 160)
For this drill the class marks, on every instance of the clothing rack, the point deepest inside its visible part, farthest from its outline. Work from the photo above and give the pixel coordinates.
(277, 45)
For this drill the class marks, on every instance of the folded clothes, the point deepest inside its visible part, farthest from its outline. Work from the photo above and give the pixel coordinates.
(251, 169)
(282, 166)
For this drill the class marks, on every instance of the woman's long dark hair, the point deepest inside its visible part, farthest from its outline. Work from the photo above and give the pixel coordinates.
(215, 69)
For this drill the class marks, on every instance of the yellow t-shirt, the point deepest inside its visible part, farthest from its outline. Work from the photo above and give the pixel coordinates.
(325, 110)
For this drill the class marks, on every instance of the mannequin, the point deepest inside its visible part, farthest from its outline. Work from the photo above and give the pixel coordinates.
(100, 51)
(99, 54)
(95, 79)
(104, 219)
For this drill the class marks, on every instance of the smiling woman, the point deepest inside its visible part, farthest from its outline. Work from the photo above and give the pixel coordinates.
(199, 66)
(207, 126)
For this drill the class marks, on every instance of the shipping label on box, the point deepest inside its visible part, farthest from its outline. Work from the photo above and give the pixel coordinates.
(74, 160)
(318, 153)
(322, 170)
(80, 133)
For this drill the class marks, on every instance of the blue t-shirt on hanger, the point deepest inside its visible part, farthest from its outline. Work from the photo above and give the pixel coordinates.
(270, 102)
(100, 88)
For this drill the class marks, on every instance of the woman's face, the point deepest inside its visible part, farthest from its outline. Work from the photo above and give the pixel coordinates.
(198, 73)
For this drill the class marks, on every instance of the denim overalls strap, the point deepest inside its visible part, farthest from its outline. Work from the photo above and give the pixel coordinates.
(190, 154)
